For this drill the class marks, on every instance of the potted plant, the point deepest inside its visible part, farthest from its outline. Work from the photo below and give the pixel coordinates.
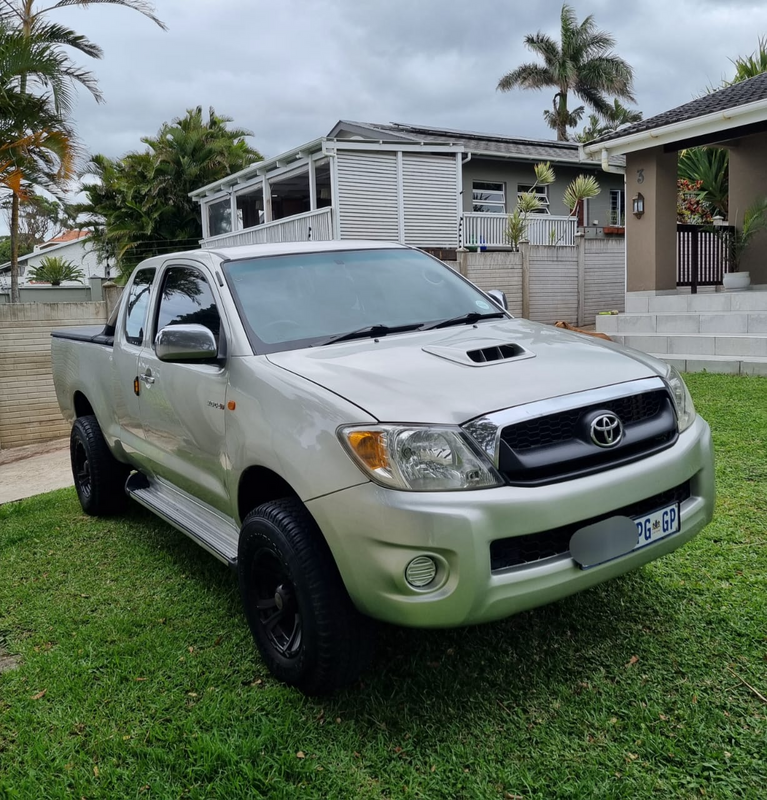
(739, 240)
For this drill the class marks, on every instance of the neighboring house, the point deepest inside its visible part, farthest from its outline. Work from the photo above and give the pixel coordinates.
(428, 187)
(71, 245)
(717, 331)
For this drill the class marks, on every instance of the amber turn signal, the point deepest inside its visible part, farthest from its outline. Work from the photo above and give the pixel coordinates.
(370, 448)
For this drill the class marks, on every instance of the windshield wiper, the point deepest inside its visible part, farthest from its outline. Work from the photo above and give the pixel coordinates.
(368, 330)
(464, 319)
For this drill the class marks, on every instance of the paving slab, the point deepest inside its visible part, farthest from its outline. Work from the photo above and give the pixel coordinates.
(35, 469)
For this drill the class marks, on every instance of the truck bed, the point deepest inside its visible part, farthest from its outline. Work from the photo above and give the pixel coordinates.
(95, 334)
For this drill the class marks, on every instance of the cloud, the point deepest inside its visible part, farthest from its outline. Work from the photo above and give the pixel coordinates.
(288, 69)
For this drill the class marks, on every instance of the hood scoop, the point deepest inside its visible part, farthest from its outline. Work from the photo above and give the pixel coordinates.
(480, 354)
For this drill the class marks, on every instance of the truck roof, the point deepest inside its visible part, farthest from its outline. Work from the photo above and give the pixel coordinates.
(291, 248)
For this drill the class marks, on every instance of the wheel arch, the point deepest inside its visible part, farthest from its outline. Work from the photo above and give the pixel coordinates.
(82, 405)
(258, 485)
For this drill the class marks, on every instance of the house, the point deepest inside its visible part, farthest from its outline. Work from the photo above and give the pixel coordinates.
(713, 330)
(71, 245)
(429, 187)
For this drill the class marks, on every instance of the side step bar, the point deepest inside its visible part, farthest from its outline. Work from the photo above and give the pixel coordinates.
(210, 530)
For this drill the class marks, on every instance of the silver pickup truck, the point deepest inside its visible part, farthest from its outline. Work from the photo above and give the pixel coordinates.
(360, 432)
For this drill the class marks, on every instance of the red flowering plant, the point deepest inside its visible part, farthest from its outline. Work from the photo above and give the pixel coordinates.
(690, 209)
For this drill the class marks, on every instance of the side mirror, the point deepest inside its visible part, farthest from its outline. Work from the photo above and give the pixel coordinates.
(499, 298)
(185, 343)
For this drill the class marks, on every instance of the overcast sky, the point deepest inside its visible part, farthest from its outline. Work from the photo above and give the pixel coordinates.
(289, 69)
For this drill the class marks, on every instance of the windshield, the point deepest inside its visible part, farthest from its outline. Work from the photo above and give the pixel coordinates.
(298, 300)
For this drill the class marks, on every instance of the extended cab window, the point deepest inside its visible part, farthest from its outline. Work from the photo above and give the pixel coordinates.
(138, 303)
(186, 299)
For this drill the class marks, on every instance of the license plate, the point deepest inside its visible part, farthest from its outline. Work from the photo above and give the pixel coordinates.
(659, 524)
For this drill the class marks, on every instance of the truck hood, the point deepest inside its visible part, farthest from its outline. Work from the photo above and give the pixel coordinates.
(430, 377)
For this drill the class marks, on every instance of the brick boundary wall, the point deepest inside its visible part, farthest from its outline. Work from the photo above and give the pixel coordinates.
(29, 411)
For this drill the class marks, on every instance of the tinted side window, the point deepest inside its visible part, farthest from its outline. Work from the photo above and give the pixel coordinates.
(186, 299)
(138, 303)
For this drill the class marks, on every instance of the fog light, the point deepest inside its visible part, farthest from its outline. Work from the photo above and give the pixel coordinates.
(420, 572)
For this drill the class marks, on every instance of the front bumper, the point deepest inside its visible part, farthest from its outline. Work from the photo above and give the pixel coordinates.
(374, 532)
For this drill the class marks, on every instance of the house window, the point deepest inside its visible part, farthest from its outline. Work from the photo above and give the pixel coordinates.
(541, 192)
(488, 198)
(220, 217)
(617, 207)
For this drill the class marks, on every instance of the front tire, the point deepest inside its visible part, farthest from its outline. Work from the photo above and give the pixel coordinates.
(305, 626)
(99, 477)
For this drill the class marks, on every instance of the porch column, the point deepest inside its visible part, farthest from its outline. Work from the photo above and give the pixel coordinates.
(748, 182)
(233, 210)
(267, 190)
(312, 185)
(651, 239)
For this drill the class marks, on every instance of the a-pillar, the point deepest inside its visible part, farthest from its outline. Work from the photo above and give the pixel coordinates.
(651, 238)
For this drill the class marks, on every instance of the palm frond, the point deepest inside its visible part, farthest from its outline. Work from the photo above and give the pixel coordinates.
(527, 76)
(147, 9)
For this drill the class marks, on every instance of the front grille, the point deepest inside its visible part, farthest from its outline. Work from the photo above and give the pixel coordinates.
(558, 446)
(560, 427)
(517, 551)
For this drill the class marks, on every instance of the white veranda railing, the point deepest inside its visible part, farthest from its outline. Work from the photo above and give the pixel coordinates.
(490, 230)
(314, 225)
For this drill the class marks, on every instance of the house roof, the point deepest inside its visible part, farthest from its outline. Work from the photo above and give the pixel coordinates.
(57, 243)
(750, 94)
(65, 237)
(472, 142)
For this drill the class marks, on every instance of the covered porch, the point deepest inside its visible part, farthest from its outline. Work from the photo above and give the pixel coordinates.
(284, 199)
(671, 312)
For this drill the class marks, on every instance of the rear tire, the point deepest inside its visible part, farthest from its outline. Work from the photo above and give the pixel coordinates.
(305, 626)
(99, 476)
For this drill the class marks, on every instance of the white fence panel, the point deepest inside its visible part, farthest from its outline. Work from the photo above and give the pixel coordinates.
(542, 229)
(367, 201)
(314, 225)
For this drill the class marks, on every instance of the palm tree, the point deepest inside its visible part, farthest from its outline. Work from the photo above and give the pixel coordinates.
(29, 21)
(599, 124)
(139, 205)
(35, 143)
(582, 63)
(750, 66)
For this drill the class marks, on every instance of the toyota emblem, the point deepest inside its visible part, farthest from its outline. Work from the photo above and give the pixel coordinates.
(606, 430)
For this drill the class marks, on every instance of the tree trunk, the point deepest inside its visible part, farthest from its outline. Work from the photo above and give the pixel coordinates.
(562, 117)
(15, 297)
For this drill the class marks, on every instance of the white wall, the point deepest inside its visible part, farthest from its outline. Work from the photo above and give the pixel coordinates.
(79, 253)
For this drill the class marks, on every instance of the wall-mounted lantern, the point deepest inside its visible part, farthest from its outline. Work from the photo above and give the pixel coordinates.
(637, 205)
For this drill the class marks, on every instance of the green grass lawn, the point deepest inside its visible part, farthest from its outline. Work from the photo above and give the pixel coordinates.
(137, 676)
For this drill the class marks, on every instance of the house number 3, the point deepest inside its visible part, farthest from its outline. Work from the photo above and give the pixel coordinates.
(640, 176)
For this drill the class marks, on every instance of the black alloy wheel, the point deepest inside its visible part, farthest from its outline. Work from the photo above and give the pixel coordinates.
(278, 613)
(99, 477)
(304, 624)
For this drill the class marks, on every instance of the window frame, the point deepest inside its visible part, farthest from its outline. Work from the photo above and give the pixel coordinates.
(541, 192)
(127, 338)
(158, 303)
(620, 207)
(499, 204)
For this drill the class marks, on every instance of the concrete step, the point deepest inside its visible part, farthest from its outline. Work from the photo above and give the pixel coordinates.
(700, 345)
(726, 322)
(729, 365)
(637, 302)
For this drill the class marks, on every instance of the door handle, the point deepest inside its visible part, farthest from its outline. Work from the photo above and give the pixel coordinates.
(147, 377)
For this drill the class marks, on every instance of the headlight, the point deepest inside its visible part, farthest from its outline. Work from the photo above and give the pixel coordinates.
(419, 459)
(685, 410)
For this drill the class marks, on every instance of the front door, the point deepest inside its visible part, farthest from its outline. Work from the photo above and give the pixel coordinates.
(183, 405)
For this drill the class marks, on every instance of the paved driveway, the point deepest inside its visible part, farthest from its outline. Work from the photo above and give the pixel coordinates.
(27, 471)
